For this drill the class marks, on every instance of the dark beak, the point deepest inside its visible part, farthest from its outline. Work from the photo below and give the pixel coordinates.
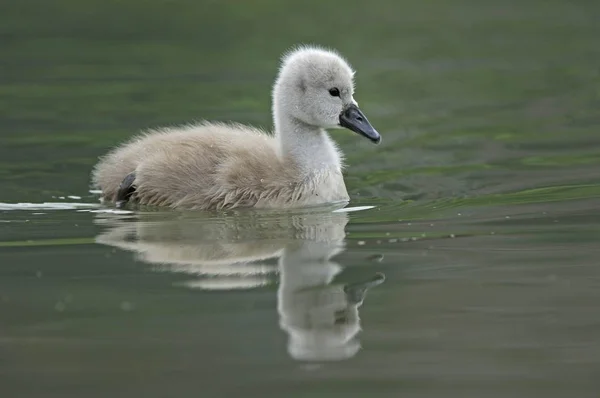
(356, 292)
(353, 119)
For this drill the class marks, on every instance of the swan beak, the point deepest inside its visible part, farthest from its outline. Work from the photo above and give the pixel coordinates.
(353, 119)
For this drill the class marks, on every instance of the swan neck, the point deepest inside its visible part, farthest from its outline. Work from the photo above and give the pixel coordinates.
(309, 146)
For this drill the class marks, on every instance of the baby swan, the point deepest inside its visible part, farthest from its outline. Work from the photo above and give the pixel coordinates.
(224, 166)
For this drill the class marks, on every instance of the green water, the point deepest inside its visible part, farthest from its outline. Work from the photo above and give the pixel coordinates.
(481, 207)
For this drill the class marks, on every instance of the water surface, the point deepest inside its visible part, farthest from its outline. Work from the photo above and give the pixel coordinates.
(468, 268)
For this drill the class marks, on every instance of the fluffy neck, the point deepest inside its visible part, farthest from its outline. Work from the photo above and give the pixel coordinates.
(308, 146)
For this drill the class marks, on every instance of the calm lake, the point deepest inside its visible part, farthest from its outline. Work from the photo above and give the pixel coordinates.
(466, 265)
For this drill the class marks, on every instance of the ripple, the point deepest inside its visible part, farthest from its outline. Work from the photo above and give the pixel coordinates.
(47, 206)
(351, 209)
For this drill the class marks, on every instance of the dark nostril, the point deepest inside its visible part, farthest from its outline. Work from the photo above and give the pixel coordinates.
(359, 118)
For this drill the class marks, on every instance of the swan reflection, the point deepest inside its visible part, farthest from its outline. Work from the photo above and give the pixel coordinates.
(319, 316)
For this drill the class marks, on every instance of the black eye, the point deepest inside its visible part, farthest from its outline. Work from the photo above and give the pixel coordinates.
(334, 92)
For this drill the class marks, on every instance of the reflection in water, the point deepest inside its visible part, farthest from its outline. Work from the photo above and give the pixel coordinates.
(320, 317)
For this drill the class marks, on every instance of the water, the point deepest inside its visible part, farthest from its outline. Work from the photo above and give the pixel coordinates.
(467, 265)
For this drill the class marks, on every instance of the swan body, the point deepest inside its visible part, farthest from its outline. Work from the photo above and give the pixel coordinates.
(216, 165)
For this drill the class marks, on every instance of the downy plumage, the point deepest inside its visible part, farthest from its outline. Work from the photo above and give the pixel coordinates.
(216, 165)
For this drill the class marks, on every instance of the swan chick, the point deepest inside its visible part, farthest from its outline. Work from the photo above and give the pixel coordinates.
(217, 165)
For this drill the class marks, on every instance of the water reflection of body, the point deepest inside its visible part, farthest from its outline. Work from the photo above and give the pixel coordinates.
(319, 316)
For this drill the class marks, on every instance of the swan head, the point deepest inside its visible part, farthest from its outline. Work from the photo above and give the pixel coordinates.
(315, 86)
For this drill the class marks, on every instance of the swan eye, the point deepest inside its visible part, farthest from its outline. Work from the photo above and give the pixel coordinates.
(334, 92)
